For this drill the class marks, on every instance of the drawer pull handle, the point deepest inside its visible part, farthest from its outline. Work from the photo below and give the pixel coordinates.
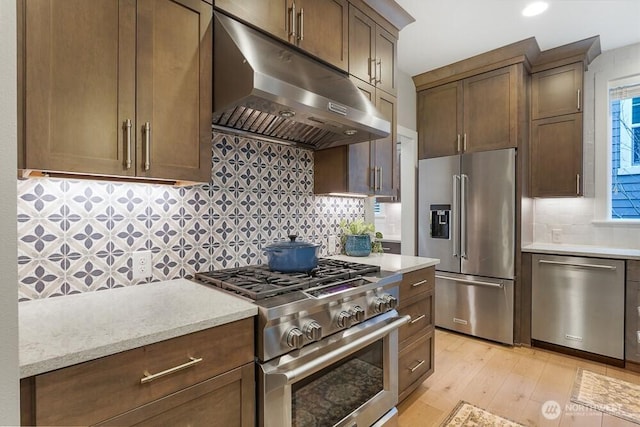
(421, 282)
(150, 377)
(420, 363)
(417, 319)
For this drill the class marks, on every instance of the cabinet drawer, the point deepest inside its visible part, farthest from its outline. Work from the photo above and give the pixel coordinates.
(226, 400)
(93, 391)
(415, 283)
(421, 313)
(415, 361)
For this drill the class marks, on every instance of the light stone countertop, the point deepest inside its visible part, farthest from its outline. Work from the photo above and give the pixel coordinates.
(582, 250)
(62, 331)
(392, 262)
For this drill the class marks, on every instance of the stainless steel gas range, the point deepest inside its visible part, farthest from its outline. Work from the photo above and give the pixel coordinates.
(327, 342)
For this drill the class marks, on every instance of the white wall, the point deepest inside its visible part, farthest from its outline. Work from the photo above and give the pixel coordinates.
(406, 101)
(583, 221)
(9, 372)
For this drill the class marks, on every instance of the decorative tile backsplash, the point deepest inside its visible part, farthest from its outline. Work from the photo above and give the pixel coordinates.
(78, 236)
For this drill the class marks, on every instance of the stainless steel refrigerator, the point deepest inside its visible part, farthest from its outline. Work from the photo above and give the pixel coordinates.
(466, 218)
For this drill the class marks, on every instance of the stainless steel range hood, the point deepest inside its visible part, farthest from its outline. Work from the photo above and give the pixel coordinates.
(266, 88)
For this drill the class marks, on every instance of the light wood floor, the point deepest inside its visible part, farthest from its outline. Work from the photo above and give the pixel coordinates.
(512, 382)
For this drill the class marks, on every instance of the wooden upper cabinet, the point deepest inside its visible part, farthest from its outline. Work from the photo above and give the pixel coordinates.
(79, 84)
(440, 121)
(96, 72)
(490, 110)
(271, 16)
(322, 28)
(556, 132)
(372, 52)
(478, 113)
(556, 156)
(362, 38)
(368, 167)
(174, 87)
(386, 61)
(557, 91)
(384, 150)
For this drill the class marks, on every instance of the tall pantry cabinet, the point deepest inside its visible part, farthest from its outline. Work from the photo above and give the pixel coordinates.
(371, 167)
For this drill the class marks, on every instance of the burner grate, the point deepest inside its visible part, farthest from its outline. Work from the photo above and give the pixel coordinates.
(258, 282)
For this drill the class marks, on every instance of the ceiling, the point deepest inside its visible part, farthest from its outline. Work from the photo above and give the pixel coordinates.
(447, 31)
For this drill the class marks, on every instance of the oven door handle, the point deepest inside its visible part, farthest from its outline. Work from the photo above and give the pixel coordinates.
(281, 378)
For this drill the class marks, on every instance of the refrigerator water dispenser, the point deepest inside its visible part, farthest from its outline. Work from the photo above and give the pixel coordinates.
(440, 221)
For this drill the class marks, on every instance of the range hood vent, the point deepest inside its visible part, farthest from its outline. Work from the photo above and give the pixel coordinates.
(266, 88)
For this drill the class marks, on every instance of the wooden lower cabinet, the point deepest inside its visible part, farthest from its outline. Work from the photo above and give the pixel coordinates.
(415, 364)
(217, 369)
(220, 401)
(416, 339)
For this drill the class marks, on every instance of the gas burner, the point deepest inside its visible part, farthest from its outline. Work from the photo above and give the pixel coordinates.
(257, 282)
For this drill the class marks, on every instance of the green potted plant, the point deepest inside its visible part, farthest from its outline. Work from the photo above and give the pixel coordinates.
(357, 239)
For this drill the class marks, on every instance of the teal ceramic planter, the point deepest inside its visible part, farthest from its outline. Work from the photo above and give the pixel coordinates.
(358, 245)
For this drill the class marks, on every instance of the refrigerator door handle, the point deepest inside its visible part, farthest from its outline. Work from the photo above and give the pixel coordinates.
(463, 215)
(454, 212)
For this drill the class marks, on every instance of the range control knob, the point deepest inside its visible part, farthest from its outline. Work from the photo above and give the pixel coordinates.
(357, 313)
(294, 338)
(344, 319)
(380, 305)
(392, 302)
(313, 330)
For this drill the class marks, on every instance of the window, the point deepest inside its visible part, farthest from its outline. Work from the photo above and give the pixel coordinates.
(625, 156)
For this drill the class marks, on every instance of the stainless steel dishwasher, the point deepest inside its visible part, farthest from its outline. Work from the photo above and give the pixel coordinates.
(578, 302)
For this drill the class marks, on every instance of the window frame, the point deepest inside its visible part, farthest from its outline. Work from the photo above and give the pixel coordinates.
(624, 73)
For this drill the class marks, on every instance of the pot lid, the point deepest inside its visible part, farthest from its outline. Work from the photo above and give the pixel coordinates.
(292, 243)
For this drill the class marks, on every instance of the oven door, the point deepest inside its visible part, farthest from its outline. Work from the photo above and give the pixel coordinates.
(347, 379)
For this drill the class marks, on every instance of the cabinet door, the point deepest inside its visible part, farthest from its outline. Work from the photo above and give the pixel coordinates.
(384, 149)
(79, 84)
(439, 121)
(361, 162)
(386, 55)
(225, 400)
(490, 110)
(556, 156)
(362, 36)
(322, 30)
(557, 91)
(174, 89)
(271, 16)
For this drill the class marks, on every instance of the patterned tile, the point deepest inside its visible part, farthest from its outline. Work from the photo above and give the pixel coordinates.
(78, 236)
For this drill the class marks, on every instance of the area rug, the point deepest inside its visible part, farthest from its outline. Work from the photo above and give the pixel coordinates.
(605, 394)
(466, 414)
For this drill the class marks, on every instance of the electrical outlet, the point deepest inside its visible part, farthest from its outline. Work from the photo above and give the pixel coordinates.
(331, 245)
(556, 235)
(141, 264)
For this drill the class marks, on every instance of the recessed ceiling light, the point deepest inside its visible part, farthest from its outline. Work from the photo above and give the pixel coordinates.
(535, 8)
